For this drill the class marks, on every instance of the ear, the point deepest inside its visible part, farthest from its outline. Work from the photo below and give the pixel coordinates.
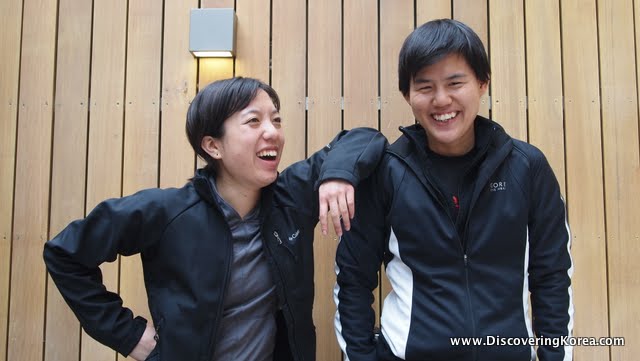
(484, 87)
(212, 146)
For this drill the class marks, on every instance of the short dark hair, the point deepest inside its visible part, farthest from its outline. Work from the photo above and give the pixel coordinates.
(436, 39)
(216, 103)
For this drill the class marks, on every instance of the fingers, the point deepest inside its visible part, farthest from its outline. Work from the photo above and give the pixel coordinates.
(351, 207)
(324, 208)
(346, 207)
(336, 200)
(334, 213)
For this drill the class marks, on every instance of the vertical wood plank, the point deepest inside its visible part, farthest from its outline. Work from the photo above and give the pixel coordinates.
(636, 17)
(427, 10)
(474, 14)
(544, 74)
(508, 92)
(11, 20)
(216, 3)
(395, 26)
(104, 156)
(621, 169)
(141, 129)
(179, 70)
(252, 36)
(289, 19)
(585, 190)
(360, 64)
(69, 160)
(33, 155)
(212, 69)
(324, 116)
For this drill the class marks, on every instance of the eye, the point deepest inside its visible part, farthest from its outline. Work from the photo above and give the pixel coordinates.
(253, 121)
(277, 122)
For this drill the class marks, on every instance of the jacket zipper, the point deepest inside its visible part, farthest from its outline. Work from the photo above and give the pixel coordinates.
(288, 320)
(158, 327)
(438, 195)
(473, 322)
(215, 328)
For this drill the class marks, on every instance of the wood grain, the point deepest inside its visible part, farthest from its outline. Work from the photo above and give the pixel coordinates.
(584, 173)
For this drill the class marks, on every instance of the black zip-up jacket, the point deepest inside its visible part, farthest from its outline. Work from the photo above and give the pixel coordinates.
(186, 250)
(451, 282)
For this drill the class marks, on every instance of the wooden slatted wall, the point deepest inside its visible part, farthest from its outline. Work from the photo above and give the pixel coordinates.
(93, 98)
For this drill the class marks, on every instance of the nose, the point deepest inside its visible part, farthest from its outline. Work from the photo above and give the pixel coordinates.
(441, 97)
(270, 130)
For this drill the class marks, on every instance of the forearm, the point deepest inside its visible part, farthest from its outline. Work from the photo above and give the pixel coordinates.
(355, 319)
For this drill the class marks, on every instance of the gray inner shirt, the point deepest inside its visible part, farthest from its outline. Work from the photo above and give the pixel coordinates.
(247, 328)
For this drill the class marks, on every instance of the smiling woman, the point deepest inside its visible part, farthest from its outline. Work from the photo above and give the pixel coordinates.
(245, 151)
(228, 258)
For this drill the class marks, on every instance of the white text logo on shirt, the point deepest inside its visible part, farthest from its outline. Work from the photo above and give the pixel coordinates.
(294, 236)
(498, 186)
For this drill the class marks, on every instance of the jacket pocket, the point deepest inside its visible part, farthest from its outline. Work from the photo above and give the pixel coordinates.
(155, 353)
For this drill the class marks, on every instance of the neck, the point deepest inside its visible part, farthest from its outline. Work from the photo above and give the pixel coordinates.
(458, 151)
(242, 199)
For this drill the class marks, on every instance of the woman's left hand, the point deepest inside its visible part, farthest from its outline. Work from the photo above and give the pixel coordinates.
(337, 198)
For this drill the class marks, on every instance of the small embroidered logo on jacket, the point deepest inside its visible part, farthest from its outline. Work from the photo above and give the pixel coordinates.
(497, 186)
(294, 236)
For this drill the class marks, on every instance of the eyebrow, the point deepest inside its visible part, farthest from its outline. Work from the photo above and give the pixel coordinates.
(450, 77)
(254, 110)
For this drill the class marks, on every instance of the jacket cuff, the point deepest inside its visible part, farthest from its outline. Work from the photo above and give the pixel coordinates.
(336, 174)
(135, 334)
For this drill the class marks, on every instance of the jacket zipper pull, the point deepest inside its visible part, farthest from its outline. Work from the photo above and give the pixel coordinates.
(465, 260)
(156, 337)
(277, 237)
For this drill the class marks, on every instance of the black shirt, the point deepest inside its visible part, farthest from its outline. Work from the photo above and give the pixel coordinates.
(449, 174)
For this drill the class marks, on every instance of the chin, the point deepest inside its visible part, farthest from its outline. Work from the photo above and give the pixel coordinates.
(265, 181)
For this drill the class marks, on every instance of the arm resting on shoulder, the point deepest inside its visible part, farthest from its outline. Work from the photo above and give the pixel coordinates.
(350, 157)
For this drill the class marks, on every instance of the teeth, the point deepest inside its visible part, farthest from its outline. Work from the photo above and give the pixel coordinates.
(444, 117)
(268, 153)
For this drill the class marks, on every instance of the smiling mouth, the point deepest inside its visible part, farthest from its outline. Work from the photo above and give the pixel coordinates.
(269, 155)
(443, 118)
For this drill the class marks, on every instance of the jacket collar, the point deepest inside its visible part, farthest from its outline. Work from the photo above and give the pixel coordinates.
(492, 146)
(204, 189)
(489, 136)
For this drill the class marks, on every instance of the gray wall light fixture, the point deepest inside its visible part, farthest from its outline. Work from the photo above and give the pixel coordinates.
(212, 32)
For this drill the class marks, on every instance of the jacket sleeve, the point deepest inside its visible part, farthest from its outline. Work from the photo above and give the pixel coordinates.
(358, 258)
(550, 264)
(351, 156)
(115, 227)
